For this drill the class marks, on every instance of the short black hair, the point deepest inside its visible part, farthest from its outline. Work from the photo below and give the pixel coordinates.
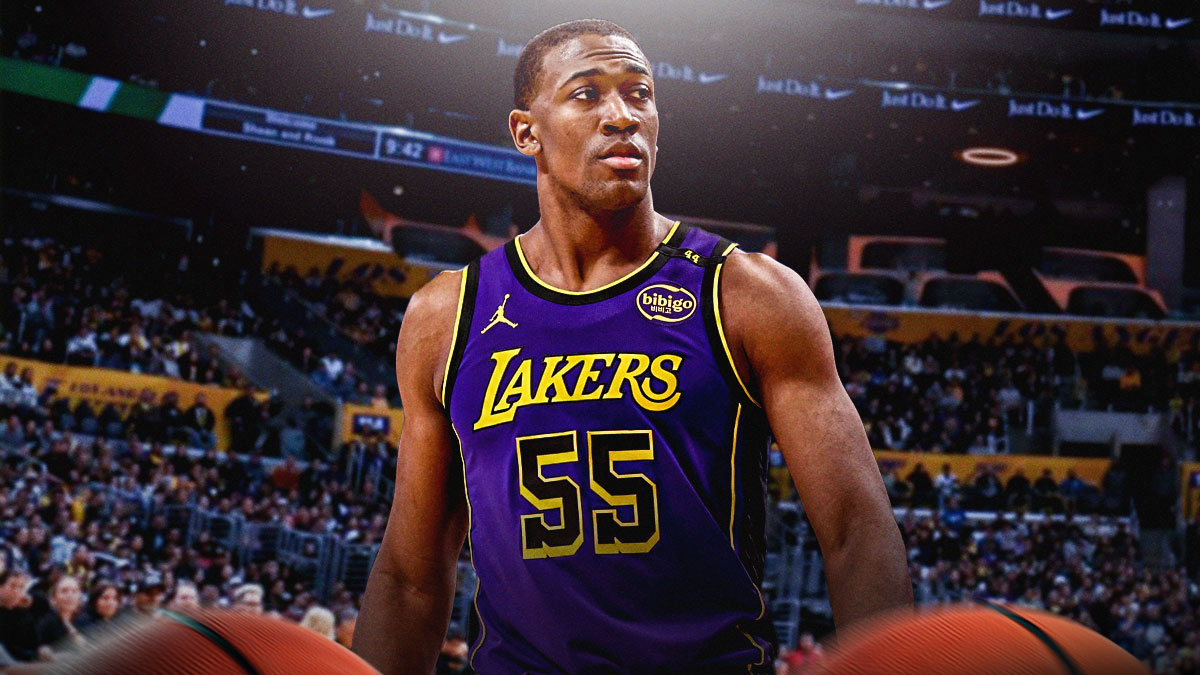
(529, 63)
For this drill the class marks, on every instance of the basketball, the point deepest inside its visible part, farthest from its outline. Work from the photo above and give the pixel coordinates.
(215, 642)
(976, 639)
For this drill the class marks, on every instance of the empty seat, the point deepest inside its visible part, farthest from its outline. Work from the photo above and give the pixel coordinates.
(859, 289)
(1085, 266)
(432, 242)
(899, 254)
(1113, 301)
(968, 293)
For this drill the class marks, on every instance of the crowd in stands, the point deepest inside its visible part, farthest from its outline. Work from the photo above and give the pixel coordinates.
(985, 491)
(962, 396)
(91, 529)
(70, 304)
(1090, 573)
(368, 318)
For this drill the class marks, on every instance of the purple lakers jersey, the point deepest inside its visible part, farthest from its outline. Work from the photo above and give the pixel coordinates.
(614, 467)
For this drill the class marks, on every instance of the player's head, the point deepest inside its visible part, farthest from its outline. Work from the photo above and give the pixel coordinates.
(583, 96)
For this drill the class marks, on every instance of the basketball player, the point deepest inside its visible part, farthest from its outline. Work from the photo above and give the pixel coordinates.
(589, 406)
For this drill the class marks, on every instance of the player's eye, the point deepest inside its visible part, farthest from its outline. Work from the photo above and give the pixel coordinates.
(587, 93)
(641, 92)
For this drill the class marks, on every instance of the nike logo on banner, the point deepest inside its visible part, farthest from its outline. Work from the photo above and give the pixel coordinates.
(1172, 24)
(831, 95)
(1088, 114)
(310, 13)
(958, 106)
(445, 39)
(709, 78)
(935, 4)
(1054, 14)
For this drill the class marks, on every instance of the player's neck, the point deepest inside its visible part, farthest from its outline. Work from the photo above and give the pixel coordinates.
(579, 250)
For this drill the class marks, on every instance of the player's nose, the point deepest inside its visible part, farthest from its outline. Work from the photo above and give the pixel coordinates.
(617, 117)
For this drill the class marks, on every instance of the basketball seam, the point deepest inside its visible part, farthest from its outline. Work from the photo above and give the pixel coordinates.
(213, 637)
(1038, 633)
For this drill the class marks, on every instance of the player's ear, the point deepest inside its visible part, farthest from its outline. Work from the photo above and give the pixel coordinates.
(520, 125)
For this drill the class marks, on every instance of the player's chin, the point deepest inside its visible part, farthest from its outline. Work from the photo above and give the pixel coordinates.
(620, 192)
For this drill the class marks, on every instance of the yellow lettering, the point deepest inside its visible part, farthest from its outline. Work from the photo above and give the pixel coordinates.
(587, 375)
(629, 366)
(519, 385)
(643, 375)
(647, 397)
(489, 415)
(553, 378)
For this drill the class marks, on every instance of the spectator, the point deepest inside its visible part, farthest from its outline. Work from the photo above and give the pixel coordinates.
(1045, 492)
(20, 614)
(249, 598)
(185, 597)
(199, 419)
(946, 484)
(345, 628)
(171, 418)
(804, 656)
(922, 485)
(1017, 491)
(104, 605)
(82, 349)
(60, 623)
(145, 419)
(286, 476)
(319, 620)
(147, 596)
(987, 488)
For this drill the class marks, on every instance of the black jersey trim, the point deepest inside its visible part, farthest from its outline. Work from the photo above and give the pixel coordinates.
(521, 271)
(712, 321)
(462, 329)
(1040, 634)
(213, 637)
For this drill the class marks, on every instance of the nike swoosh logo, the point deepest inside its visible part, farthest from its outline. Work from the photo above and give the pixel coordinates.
(1055, 14)
(935, 4)
(958, 106)
(1088, 114)
(831, 95)
(310, 13)
(1172, 24)
(444, 39)
(709, 78)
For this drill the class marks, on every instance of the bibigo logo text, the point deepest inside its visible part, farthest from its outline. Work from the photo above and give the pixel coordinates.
(667, 303)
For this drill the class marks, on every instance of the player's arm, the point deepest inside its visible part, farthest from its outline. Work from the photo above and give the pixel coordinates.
(407, 603)
(780, 339)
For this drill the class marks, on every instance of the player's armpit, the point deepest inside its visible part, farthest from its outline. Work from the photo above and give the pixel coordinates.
(407, 603)
(780, 342)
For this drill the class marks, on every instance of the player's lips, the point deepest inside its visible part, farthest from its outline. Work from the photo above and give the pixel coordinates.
(622, 156)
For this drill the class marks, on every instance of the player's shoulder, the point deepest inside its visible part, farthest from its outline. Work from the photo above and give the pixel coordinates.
(437, 298)
(764, 298)
(431, 315)
(426, 334)
(761, 277)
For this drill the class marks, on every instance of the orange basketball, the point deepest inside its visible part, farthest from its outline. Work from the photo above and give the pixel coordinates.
(981, 639)
(214, 642)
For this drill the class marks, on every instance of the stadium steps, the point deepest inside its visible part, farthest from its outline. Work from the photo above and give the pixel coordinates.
(266, 369)
(1030, 291)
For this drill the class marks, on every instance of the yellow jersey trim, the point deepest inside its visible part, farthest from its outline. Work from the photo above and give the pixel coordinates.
(462, 292)
(733, 475)
(529, 271)
(470, 524)
(716, 302)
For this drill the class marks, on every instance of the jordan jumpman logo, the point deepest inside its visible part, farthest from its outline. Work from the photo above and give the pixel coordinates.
(499, 317)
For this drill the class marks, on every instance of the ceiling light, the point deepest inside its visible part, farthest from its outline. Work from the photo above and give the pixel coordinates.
(990, 157)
